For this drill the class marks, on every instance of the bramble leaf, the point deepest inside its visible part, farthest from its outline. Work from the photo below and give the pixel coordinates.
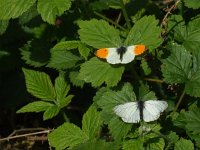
(97, 72)
(195, 4)
(140, 33)
(73, 76)
(91, 123)
(99, 34)
(49, 10)
(184, 144)
(67, 135)
(37, 106)
(133, 144)
(51, 112)
(39, 85)
(14, 8)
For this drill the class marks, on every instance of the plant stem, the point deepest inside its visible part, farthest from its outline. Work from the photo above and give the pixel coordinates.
(179, 101)
(65, 117)
(154, 80)
(125, 15)
(109, 20)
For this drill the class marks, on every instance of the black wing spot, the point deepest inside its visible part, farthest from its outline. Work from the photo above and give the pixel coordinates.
(140, 105)
(121, 51)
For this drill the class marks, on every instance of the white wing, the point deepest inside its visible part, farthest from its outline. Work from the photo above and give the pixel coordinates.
(129, 55)
(113, 57)
(152, 109)
(129, 112)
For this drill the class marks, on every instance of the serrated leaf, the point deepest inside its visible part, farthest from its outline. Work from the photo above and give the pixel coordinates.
(35, 53)
(91, 123)
(3, 26)
(39, 84)
(14, 8)
(62, 59)
(37, 106)
(97, 145)
(145, 67)
(189, 35)
(140, 33)
(61, 88)
(67, 135)
(84, 50)
(195, 4)
(66, 45)
(176, 68)
(156, 144)
(73, 76)
(99, 34)
(49, 10)
(173, 137)
(97, 72)
(184, 144)
(65, 101)
(51, 112)
(132, 144)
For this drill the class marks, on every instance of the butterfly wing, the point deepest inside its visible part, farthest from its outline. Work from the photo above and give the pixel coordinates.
(113, 56)
(129, 112)
(128, 55)
(152, 109)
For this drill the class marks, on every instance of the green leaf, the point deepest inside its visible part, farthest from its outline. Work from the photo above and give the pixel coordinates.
(35, 53)
(133, 144)
(35, 107)
(140, 33)
(73, 76)
(14, 8)
(62, 59)
(84, 50)
(61, 88)
(65, 101)
(176, 68)
(99, 34)
(97, 72)
(184, 144)
(189, 35)
(66, 45)
(3, 26)
(97, 145)
(39, 85)
(51, 112)
(156, 144)
(49, 10)
(195, 4)
(91, 123)
(145, 67)
(67, 135)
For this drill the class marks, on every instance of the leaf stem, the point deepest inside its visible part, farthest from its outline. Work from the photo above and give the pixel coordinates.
(65, 117)
(125, 15)
(179, 101)
(109, 20)
(154, 80)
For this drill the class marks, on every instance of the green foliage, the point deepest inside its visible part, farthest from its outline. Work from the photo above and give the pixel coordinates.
(195, 4)
(184, 144)
(3, 26)
(97, 72)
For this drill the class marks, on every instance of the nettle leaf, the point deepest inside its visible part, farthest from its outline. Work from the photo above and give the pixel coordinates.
(73, 76)
(49, 10)
(39, 85)
(14, 8)
(177, 66)
(189, 35)
(67, 135)
(3, 26)
(184, 144)
(91, 122)
(195, 4)
(107, 101)
(140, 33)
(35, 53)
(99, 34)
(35, 107)
(62, 59)
(97, 72)
(133, 144)
(51, 112)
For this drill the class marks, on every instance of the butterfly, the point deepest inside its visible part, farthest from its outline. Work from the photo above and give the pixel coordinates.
(133, 112)
(121, 55)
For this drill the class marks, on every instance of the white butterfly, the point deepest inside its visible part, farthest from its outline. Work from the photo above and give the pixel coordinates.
(120, 55)
(133, 112)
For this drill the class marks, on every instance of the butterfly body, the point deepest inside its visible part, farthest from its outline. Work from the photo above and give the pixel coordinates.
(133, 112)
(120, 55)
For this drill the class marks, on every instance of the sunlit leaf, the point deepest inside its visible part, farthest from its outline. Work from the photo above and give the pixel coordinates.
(195, 4)
(184, 144)
(51, 112)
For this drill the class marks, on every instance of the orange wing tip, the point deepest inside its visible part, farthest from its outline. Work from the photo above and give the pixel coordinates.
(139, 49)
(102, 53)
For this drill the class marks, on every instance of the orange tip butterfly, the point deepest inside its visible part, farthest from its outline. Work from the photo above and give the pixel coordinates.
(121, 55)
(133, 112)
